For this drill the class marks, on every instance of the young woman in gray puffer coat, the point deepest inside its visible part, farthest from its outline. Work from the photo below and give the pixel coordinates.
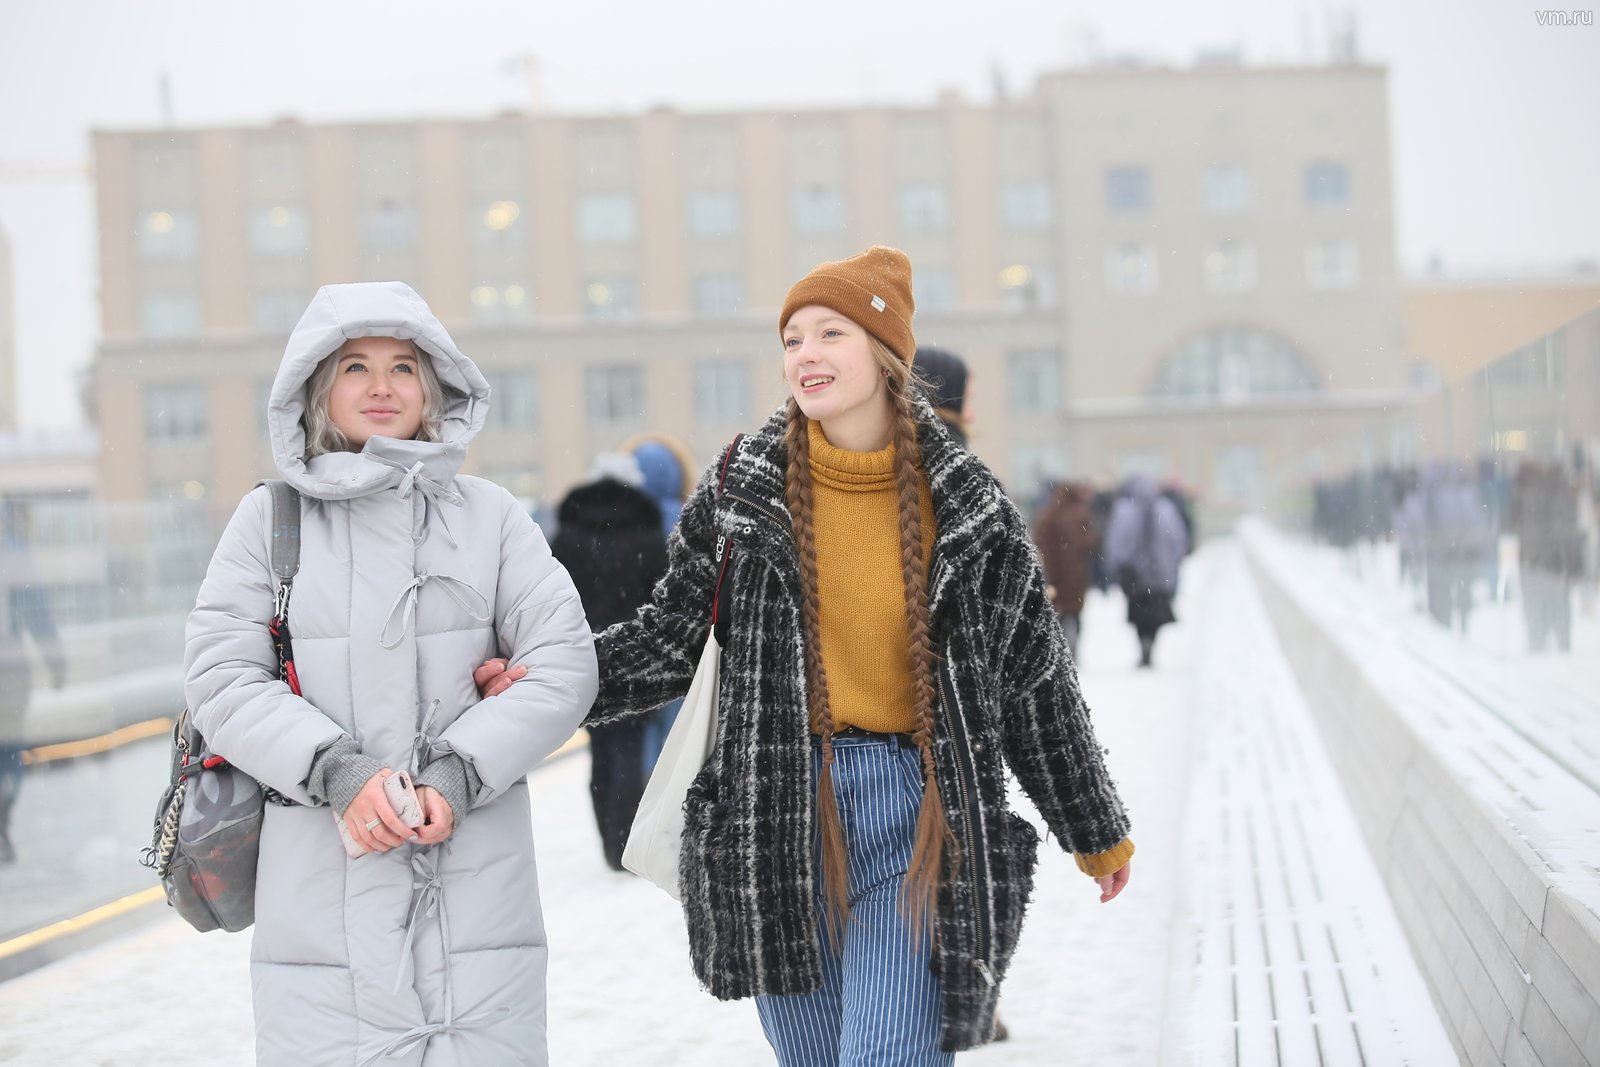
(428, 949)
(848, 856)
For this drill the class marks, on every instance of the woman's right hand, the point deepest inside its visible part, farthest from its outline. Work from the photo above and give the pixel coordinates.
(493, 678)
(371, 819)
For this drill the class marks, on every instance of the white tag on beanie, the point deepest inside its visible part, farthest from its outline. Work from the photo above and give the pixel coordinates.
(877, 303)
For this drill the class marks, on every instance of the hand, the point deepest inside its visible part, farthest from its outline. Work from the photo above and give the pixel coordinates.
(493, 678)
(370, 804)
(1112, 884)
(438, 821)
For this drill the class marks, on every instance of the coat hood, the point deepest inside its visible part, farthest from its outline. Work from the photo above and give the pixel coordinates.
(373, 309)
(663, 480)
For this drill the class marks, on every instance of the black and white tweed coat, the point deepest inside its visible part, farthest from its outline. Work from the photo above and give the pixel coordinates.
(1008, 697)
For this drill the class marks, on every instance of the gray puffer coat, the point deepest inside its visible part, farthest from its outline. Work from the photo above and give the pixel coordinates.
(411, 575)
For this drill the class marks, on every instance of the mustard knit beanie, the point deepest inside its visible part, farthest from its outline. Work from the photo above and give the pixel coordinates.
(872, 289)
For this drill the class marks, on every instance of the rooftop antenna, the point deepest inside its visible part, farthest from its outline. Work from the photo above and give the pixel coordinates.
(164, 97)
(532, 83)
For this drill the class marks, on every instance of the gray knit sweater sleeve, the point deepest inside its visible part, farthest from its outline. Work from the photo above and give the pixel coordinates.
(338, 772)
(455, 780)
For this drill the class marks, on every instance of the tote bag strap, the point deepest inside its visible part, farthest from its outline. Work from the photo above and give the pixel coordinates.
(724, 543)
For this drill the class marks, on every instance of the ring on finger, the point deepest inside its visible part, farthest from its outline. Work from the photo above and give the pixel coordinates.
(372, 824)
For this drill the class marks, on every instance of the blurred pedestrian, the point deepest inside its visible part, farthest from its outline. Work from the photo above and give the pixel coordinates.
(609, 540)
(1544, 516)
(1456, 535)
(848, 855)
(668, 472)
(1145, 545)
(948, 382)
(429, 947)
(1065, 531)
(25, 616)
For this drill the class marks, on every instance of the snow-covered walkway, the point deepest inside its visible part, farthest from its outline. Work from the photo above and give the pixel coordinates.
(1255, 929)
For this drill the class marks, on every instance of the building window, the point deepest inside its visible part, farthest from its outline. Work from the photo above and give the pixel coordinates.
(169, 315)
(1033, 467)
(1151, 463)
(388, 225)
(276, 312)
(1230, 267)
(1238, 475)
(933, 288)
(1033, 380)
(513, 400)
(817, 209)
(1331, 264)
(279, 230)
(1131, 268)
(497, 223)
(1227, 189)
(721, 391)
(1327, 184)
(615, 395)
(493, 303)
(718, 295)
(1234, 364)
(924, 209)
(168, 236)
(1023, 287)
(1127, 189)
(714, 213)
(611, 298)
(606, 218)
(176, 412)
(1026, 206)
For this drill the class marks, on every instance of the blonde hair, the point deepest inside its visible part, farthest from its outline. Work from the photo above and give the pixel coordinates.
(323, 436)
(920, 891)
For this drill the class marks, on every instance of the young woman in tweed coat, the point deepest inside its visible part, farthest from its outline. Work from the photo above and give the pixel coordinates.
(848, 855)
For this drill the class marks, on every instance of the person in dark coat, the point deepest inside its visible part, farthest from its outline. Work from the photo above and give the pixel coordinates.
(610, 543)
(1145, 543)
(1544, 516)
(947, 379)
(1067, 536)
(24, 616)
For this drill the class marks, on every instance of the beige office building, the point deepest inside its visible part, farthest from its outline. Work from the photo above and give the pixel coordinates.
(1188, 272)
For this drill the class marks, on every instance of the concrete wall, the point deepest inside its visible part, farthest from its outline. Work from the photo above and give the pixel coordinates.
(1458, 819)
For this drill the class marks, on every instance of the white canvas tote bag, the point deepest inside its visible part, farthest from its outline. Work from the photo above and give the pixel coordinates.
(657, 833)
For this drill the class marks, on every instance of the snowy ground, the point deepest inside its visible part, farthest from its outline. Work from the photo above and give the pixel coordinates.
(1209, 749)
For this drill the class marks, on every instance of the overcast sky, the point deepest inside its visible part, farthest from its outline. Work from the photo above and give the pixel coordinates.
(1496, 138)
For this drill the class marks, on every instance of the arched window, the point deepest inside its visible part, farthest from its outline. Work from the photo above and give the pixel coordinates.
(1233, 364)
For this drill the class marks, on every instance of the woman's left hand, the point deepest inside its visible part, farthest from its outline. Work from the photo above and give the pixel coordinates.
(1112, 884)
(438, 821)
(494, 678)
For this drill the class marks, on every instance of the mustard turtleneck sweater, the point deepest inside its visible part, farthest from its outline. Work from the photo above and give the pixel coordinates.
(864, 631)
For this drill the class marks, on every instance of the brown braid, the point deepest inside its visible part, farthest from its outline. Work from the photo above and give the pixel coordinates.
(920, 892)
(797, 493)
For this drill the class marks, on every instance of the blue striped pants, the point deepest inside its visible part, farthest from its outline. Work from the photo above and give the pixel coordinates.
(879, 1001)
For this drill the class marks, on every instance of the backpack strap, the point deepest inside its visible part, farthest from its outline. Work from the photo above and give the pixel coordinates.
(285, 544)
(724, 542)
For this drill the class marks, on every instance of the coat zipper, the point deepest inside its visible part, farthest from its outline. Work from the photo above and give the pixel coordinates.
(783, 521)
(975, 848)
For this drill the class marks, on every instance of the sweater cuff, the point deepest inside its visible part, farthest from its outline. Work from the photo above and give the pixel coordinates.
(338, 772)
(455, 780)
(1109, 862)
